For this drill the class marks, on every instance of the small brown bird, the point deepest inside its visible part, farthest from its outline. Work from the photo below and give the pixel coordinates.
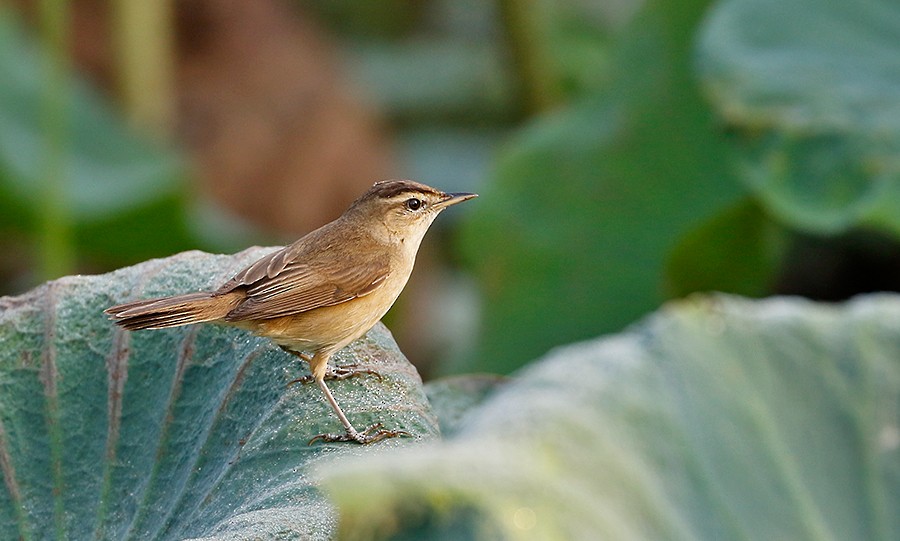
(315, 296)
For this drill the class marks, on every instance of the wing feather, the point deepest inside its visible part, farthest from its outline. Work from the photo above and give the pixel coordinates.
(290, 281)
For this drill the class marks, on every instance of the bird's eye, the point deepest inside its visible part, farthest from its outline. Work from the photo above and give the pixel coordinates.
(413, 204)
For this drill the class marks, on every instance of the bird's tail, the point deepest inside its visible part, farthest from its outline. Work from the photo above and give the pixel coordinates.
(173, 311)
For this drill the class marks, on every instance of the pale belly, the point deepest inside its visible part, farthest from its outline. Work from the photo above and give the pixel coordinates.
(329, 328)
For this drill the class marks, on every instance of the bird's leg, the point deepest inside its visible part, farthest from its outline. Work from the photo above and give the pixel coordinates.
(335, 373)
(369, 435)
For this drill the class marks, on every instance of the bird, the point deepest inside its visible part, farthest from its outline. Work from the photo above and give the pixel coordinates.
(317, 295)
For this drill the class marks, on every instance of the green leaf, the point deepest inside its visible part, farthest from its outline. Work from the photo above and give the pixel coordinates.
(115, 182)
(570, 238)
(812, 90)
(738, 251)
(109, 169)
(455, 396)
(716, 418)
(187, 432)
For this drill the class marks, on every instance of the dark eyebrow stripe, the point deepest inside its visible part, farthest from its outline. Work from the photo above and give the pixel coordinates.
(391, 188)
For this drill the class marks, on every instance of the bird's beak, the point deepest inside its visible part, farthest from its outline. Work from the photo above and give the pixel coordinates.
(454, 198)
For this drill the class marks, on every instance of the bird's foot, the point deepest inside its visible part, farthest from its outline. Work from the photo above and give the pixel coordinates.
(372, 434)
(339, 373)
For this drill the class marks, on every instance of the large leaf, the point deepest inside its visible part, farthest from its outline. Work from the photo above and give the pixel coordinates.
(812, 90)
(735, 251)
(572, 237)
(716, 418)
(188, 432)
(452, 398)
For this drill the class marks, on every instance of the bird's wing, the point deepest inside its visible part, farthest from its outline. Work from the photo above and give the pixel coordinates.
(286, 282)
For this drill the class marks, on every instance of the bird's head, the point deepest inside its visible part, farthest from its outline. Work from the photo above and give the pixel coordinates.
(403, 208)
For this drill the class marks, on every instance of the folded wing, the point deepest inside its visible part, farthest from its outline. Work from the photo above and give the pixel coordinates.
(282, 284)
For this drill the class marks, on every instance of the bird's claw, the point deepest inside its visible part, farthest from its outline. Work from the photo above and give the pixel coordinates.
(339, 373)
(372, 434)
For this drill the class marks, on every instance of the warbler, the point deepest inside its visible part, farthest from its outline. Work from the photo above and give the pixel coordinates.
(322, 292)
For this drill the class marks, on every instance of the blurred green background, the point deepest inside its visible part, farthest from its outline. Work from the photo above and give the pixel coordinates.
(626, 152)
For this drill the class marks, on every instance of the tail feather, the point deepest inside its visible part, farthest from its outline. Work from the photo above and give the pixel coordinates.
(173, 311)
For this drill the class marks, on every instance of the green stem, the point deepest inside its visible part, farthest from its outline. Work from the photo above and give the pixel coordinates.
(526, 28)
(144, 42)
(56, 250)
